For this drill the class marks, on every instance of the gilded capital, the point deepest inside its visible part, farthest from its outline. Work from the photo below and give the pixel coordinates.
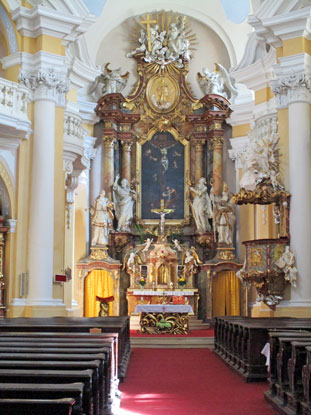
(108, 141)
(217, 142)
(199, 144)
(126, 145)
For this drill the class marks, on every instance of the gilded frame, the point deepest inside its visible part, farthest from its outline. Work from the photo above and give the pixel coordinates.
(175, 89)
(172, 222)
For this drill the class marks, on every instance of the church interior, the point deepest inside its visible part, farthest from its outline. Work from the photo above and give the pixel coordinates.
(155, 207)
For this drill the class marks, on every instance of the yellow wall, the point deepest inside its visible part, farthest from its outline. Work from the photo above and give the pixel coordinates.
(240, 130)
(59, 199)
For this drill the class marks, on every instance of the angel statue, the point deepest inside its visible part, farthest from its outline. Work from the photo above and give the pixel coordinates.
(177, 245)
(147, 245)
(124, 198)
(215, 82)
(189, 260)
(287, 264)
(131, 263)
(101, 219)
(109, 82)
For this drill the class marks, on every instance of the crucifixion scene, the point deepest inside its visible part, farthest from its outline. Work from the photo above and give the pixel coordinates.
(155, 179)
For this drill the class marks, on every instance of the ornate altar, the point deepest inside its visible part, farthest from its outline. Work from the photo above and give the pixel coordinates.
(161, 151)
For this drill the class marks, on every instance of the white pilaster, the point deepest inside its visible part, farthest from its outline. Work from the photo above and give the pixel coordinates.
(300, 185)
(47, 88)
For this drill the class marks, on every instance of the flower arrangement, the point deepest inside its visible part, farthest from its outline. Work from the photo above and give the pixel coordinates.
(182, 281)
(142, 281)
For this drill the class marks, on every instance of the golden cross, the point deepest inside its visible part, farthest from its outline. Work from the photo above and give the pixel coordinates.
(148, 22)
(162, 209)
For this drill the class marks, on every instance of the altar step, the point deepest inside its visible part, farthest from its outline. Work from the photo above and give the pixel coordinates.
(164, 342)
(194, 323)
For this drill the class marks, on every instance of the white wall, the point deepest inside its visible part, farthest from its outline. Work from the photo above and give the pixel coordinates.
(210, 49)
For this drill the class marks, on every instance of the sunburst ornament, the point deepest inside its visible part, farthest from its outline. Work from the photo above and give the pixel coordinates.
(163, 38)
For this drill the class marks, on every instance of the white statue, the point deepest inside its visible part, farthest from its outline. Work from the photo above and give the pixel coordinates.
(166, 46)
(215, 82)
(109, 82)
(147, 245)
(101, 219)
(131, 263)
(201, 206)
(287, 264)
(260, 159)
(177, 245)
(124, 198)
(142, 45)
(225, 217)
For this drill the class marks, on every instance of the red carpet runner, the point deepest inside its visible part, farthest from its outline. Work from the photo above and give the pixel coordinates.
(187, 382)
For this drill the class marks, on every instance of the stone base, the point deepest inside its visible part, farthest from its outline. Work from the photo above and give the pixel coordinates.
(24, 308)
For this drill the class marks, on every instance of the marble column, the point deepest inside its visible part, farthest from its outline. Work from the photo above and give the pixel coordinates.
(96, 184)
(108, 166)
(217, 144)
(199, 159)
(48, 89)
(126, 160)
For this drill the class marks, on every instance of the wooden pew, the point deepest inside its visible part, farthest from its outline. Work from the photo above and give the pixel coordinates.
(56, 377)
(274, 336)
(36, 406)
(81, 338)
(306, 376)
(104, 402)
(44, 391)
(111, 324)
(239, 342)
(63, 366)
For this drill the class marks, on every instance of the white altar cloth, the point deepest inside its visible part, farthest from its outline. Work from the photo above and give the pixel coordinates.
(160, 293)
(163, 308)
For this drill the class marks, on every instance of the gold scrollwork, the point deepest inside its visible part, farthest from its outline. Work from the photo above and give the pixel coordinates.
(162, 93)
(169, 323)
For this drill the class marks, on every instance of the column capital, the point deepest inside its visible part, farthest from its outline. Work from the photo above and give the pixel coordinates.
(46, 85)
(217, 141)
(109, 141)
(199, 144)
(295, 87)
(126, 145)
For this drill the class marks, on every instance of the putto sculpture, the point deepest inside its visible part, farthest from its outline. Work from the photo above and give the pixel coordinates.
(216, 82)
(166, 44)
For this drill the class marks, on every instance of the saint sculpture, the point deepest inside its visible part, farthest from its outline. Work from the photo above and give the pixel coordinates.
(124, 198)
(201, 206)
(101, 219)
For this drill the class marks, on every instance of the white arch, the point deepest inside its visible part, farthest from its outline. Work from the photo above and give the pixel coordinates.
(114, 13)
(4, 17)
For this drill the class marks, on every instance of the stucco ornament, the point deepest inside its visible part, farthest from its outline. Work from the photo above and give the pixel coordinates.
(216, 82)
(163, 46)
(287, 264)
(260, 159)
(109, 82)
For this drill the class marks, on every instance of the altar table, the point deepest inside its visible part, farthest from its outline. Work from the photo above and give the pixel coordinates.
(164, 318)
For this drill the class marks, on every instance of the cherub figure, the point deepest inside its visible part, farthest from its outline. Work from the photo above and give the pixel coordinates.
(177, 245)
(147, 245)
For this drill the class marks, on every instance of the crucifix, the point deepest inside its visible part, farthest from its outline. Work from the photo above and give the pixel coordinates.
(162, 212)
(148, 23)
